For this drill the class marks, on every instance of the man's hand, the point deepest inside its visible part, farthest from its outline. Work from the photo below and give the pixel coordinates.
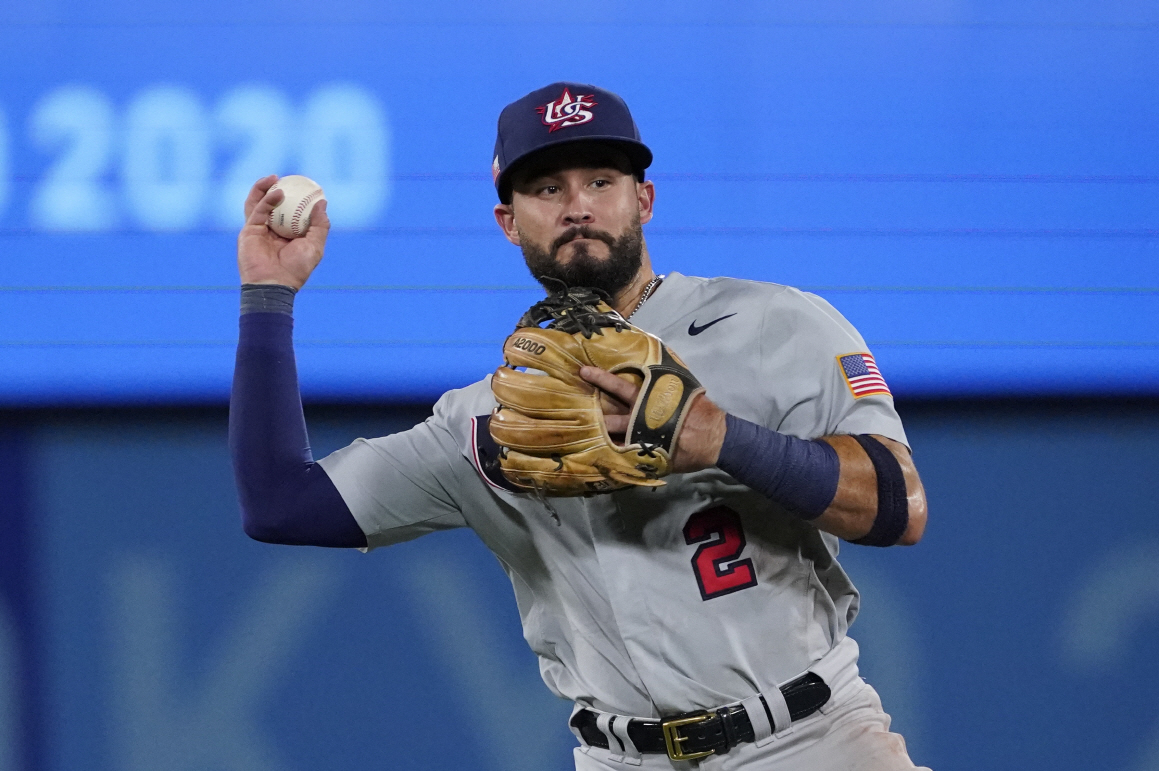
(697, 446)
(263, 257)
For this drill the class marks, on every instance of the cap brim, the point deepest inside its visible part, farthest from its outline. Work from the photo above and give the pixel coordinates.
(638, 155)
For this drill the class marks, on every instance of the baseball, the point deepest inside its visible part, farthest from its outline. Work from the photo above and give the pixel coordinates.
(291, 218)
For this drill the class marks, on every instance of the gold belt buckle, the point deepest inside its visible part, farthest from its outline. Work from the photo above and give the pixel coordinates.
(673, 739)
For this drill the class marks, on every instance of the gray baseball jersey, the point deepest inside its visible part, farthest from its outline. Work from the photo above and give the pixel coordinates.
(648, 602)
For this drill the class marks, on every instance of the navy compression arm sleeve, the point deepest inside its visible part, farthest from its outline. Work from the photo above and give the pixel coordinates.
(285, 496)
(800, 475)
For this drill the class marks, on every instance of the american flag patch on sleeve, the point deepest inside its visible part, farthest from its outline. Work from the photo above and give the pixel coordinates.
(862, 375)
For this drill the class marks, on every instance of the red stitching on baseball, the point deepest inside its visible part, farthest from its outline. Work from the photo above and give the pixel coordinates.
(296, 220)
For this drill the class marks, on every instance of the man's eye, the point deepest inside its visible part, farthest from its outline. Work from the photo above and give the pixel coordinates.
(601, 183)
(550, 189)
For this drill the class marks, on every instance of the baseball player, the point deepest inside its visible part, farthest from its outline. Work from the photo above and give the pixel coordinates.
(701, 623)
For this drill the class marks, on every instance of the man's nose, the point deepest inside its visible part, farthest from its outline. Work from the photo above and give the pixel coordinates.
(577, 211)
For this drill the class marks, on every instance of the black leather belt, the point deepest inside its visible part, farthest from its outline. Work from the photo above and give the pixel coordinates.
(694, 735)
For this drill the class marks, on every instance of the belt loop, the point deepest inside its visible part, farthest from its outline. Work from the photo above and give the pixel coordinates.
(619, 727)
(779, 710)
(754, 707)
(615, 746)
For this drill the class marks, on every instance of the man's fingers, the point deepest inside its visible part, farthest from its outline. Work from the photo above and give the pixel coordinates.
(319, 225)
(617, 426)
(610, 405)
(616, 399)
(261, 211)
(256, 192)
(616, 386)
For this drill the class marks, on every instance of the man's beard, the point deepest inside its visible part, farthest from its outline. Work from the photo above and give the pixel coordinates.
(612, 275)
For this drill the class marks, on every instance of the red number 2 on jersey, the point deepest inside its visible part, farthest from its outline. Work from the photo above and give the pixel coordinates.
(717, 569)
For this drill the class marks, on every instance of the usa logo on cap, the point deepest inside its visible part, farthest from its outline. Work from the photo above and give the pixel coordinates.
(567, 110)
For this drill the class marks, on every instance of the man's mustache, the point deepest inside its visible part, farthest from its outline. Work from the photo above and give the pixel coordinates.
(582, 231)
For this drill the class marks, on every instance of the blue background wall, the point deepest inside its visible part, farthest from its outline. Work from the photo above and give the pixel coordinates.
(974, 182)
(1018, 634)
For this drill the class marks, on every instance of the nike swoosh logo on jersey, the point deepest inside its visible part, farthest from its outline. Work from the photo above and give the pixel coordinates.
(695, 330)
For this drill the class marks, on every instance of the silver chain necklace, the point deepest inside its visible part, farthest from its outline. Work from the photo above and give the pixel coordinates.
(648, 289)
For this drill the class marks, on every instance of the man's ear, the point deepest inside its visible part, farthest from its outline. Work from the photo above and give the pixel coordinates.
(645, 200)
(505, 216)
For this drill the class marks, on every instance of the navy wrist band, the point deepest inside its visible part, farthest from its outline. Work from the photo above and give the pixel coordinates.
(267, 298)
(799, 474)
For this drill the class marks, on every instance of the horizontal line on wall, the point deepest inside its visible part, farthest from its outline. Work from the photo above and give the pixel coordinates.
(691, 24)
(235, 289)
(1000, 290)
(841, 232)
(454, 231)
(521, 288)
(231, 343)
(831, 177)
(986, 344)
(1012, 344)
(782, 177)
(1053, 179)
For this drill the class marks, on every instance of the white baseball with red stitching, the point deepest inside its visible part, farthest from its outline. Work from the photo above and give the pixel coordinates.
(291, 218)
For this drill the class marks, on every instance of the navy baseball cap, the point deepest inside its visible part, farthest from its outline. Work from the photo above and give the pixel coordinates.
(564, 113)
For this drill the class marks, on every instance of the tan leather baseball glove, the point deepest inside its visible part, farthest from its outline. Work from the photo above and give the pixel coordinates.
(549, 424)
